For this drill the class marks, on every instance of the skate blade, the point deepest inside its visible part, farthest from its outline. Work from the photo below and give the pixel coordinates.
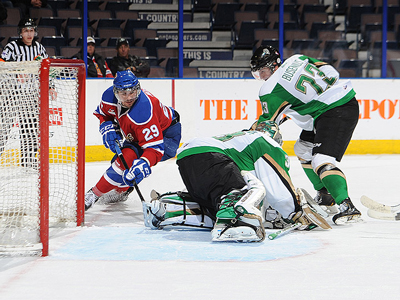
(241, 234)
(330, 210)
(348, 220)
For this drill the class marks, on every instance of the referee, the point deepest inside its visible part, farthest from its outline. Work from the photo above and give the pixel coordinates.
(26, 48)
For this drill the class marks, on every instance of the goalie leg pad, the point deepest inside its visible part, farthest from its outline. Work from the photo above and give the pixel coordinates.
(174, 209)
(239, 217)
(198, 221)
(244, 234)
(185, 213)
(153, 214)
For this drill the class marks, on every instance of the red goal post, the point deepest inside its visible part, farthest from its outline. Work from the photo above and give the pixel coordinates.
(42, 152)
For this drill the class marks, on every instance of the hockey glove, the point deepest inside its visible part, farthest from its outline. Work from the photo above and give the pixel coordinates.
(109, 134)
(140, 169)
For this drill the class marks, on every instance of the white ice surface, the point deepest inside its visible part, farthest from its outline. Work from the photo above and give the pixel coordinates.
(114, 257)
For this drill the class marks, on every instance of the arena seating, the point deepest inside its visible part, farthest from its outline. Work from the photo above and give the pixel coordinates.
(347, 34)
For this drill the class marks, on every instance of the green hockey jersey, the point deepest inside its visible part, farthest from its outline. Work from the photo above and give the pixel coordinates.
(303, 88)
(256, 152)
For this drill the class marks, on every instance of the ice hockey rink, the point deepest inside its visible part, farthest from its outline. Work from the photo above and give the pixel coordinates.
(113, 256)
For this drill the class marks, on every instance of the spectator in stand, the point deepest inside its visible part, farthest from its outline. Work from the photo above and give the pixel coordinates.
(96, 64)
(124, 61)
(25, 5)
(3, 13)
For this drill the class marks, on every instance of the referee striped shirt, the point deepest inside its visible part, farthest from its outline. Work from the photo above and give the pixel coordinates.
(18, 51)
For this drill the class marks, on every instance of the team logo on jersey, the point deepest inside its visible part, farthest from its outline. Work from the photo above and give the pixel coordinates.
(317, 145)
(111, 111)
(129, 138)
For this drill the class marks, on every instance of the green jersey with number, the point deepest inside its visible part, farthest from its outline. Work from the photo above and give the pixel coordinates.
(303, 88)
(243, 147)
(255, 152)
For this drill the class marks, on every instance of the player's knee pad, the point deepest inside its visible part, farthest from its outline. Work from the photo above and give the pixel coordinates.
(322, 162)
(326, 165)
(303, 150)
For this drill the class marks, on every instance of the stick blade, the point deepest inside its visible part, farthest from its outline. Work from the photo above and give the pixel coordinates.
(372, 204)
(154, 195)
(383, 215)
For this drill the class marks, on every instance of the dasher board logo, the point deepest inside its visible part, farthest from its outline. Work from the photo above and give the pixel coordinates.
(164, 17)
(55, 116)
(150, 1)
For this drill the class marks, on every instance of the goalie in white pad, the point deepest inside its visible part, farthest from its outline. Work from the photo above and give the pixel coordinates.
(211, 171)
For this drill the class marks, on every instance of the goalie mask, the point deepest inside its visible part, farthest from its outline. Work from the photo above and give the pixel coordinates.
(272, 129)
(126, 88)
(264, 56)
(27, 23)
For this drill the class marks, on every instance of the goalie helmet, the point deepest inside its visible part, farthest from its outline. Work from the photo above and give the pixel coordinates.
(272, 129)
(126, 81)
(265, 56)
(27, 23)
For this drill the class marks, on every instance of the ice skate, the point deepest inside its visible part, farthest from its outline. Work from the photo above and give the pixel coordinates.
(90, 199)
(115, 196)
(348, 213)
(325, 200)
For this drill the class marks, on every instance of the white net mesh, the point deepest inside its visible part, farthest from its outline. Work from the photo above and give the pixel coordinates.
(19, 149)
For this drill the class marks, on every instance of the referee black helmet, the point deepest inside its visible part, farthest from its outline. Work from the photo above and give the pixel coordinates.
(27, 23)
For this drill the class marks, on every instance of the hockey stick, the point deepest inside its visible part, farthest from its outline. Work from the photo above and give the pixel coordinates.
(121, 156)
(284, 231)
(374, 205)
(388, 216)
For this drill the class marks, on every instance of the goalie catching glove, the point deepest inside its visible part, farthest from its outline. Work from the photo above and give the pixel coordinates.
(140, 169)
(110, 135)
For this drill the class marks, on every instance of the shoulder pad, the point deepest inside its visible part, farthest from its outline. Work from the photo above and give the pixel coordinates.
(142, 110)
(108, 96)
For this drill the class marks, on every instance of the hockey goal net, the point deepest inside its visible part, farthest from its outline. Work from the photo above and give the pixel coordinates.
(42, 156)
